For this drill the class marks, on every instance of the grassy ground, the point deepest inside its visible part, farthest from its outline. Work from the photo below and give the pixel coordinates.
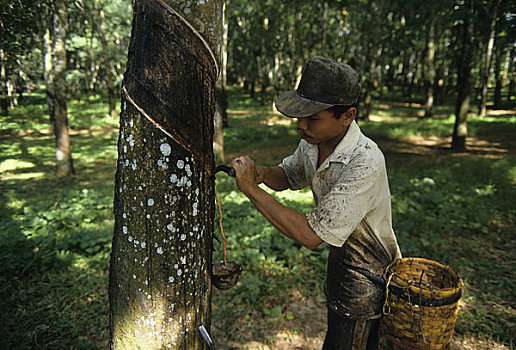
(55, 233)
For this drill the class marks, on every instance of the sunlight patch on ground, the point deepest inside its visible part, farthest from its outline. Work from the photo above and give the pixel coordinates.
(24, 176)
(278, 121)
(387, 118)
(239, 113)
(13, 164)
(14, 169)
(460, 342)
(501, 112)
(433, 145)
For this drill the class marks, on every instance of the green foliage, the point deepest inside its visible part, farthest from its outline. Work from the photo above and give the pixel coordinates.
(272, 264)
(55, 233)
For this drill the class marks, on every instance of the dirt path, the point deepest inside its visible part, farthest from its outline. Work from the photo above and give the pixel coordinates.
(489, 147)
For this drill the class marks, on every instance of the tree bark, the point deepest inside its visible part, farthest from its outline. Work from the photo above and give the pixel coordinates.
(218, 134)
(3, 83)
(497, 73)
(465, 37)
(55, 69)
(224, 64)
(107, 61)
(430, 69)
(221, 100)
(160, 272)
(3, 75)
(489, 55)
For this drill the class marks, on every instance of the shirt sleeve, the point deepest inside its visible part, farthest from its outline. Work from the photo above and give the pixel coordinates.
(294, 167)
(347, 203)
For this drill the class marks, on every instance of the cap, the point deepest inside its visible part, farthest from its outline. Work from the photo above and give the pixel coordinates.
(325, 83)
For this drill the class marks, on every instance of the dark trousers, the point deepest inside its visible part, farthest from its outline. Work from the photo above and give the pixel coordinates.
(347, 334)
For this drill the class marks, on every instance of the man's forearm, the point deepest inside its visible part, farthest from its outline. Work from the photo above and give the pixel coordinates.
(289, 222)
(274, 177)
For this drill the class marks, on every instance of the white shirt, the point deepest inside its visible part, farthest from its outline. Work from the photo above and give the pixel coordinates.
(350, 186)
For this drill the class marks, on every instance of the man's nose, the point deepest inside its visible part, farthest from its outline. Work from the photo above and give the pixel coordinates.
(301, 124)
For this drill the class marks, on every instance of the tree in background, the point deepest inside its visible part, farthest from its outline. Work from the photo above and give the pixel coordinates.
(160, 285)
(16, 41)
(465, 41)
(391, 44)
(98, 48)
(55, 80)
(3, 78)
(491, 12)
(221, 97)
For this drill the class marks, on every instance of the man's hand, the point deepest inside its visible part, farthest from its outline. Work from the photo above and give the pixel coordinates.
(247, 177)
(289, 222)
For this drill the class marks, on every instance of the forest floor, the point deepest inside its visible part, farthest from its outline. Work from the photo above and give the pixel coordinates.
(305, 326)
(55, 233)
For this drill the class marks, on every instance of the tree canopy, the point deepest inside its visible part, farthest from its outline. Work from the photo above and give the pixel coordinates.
(268, 42)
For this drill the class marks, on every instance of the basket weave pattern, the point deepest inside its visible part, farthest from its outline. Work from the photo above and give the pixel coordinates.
(421, 306)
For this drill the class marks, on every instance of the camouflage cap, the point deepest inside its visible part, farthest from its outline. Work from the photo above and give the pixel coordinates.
(325, 83)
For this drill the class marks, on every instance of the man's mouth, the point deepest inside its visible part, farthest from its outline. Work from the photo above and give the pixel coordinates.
(303, 135)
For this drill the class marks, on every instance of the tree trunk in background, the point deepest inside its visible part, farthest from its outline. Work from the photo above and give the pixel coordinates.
(55, 77)
(430, 69)
(3, 83)
(107, 61)
(220, 117)
(511, 68)
(218, 134)
(160, 284)
(498, 76)
(224, 63)
(324, 23)
(300, 58)
(3, 76)
(487, 63)
(464, 64)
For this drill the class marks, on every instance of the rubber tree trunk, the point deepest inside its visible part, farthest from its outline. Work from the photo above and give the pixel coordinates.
(497, 73)
(107, 60)
(160, 285)
(221, 98)
(3, 84)
(430, 69)
(55, 76)
(493, 12)
(464, 65)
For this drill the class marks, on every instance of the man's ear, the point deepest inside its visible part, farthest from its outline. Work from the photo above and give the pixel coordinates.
(349, 115)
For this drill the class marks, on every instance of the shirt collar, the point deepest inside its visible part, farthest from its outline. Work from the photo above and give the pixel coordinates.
(347, 145)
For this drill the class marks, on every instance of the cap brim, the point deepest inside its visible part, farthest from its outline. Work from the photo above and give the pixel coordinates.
(293, 105)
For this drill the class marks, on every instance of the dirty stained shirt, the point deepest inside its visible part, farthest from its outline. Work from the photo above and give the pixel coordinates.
(353, 215)
(350, 186)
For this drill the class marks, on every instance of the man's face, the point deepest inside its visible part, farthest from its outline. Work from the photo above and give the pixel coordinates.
(323, 126)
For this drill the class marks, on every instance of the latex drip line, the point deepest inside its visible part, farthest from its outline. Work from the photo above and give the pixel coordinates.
(174, 12)
(174, 136)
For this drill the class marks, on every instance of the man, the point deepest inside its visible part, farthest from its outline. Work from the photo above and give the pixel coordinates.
(347, 175)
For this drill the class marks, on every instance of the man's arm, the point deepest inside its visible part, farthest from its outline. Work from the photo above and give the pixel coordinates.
(289, 222)
(274, 177)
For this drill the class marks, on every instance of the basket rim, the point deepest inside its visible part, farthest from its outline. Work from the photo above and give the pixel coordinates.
(423, 290)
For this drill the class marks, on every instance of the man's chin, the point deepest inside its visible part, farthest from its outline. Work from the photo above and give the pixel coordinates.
(309, 139)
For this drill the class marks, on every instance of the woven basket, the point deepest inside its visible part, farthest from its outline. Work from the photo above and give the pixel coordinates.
(421, 305)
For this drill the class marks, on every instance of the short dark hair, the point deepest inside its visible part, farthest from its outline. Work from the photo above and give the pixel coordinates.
(338, 110)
